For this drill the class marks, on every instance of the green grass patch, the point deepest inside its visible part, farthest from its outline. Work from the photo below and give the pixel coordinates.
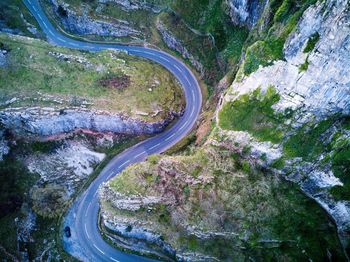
(263, 53)
(307, 141)
(253, 113)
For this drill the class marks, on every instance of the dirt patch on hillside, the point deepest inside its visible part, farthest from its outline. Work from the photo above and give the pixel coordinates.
(115, 81)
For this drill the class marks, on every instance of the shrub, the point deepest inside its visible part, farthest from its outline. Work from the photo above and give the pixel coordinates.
(61, 11)
(311, 43)
(304, 66)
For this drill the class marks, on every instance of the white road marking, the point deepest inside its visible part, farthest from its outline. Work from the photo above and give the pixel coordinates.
(87, 232)
(168, 138)
(178, 68)
(74, 44)
(124, 163)
(140, 154)
(154, 146)
(99, 249)
(61, 39)
(183, 125)
(165, 59)
(45, 25)
(145, 52)
(192, 95)
(40, 17)
(192, 112)
(114, 259)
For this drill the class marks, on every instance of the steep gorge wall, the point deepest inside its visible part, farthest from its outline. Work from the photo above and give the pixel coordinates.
(246, 12)
(43, 123)
(312, 82)
(85, 25)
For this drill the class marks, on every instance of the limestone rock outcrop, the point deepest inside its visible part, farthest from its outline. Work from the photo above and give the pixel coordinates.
(85, 25)
(41, 123)
(246, 12)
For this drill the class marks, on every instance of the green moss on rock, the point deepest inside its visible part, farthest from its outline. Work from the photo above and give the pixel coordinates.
(253, 113)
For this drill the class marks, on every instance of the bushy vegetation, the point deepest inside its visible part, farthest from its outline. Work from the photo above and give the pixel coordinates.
(310, 141)
(303, 67)
(49, 201)
(253, 113)
(311, 43)
(14, 183)
(341, 168)
(340, 160)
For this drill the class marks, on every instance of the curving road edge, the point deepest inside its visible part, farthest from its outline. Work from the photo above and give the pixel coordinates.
(86, 242)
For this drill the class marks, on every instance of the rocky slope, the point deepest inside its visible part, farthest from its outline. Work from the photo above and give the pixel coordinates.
(319, 91)
(213, 205)
(173, 43)
(84, 25)
(246, 13)
(286, 116)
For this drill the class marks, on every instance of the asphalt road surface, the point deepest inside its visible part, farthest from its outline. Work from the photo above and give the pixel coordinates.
(84, 213)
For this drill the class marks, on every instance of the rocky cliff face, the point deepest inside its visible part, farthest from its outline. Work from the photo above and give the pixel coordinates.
(322, 88)
(246, 12)
(85, 25)
(133, 5)
(313, 82)
(41, 123)
(173, 43)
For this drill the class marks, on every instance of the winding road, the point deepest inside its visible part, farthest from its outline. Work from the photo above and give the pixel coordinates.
(86, 242)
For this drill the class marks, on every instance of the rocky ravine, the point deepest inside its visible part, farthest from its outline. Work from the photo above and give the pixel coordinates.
(313, 85)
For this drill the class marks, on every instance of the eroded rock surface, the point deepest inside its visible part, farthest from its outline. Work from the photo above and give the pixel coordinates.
(133, 4)
(324, 87)
(85, 25)
(246, 12)
(175, 44)
(49, 122)
(319, 90)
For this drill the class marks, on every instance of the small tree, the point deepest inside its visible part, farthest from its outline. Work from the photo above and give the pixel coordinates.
(61, 11)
